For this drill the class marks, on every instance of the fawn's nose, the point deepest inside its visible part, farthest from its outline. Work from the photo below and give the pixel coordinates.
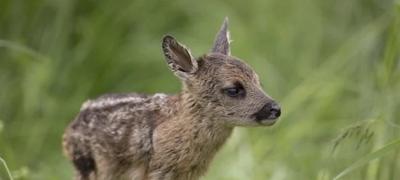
(269, 111)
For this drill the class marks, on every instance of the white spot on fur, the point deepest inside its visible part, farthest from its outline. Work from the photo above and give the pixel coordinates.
(161, 98)
(160, 95)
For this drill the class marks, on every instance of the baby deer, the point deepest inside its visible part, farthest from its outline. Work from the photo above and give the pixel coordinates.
(169, 137)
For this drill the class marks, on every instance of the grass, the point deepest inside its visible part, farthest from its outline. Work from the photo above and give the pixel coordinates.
(6, 168)
(333, 66)
(368, 158)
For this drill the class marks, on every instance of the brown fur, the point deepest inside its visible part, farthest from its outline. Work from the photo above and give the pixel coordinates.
(134, 136)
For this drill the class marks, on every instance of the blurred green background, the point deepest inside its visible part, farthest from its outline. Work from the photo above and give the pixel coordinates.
(333, 65)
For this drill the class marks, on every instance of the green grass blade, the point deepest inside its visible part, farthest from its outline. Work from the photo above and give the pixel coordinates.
(366, 159)
(10, 45)
(5, 166)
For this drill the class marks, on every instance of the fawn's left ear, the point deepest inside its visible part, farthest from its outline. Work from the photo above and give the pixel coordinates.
(178, 57)
(222, 40)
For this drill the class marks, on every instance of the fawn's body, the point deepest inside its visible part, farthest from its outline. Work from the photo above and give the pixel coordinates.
(133, 136)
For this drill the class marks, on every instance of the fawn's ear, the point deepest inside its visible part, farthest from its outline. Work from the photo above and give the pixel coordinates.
(222, 40)
(178, 57)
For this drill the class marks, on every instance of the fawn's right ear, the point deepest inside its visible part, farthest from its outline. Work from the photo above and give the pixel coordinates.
(178, 57)
(222, 40)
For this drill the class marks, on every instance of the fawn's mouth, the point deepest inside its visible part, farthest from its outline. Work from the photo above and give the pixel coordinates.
(267, 122)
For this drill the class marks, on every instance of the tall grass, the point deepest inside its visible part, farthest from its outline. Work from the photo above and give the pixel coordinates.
(333, 65)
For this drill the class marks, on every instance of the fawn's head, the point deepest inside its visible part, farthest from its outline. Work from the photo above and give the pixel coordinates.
(224, 85)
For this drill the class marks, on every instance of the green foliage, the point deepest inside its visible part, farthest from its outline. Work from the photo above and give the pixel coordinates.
(333, 66)
(364, 160)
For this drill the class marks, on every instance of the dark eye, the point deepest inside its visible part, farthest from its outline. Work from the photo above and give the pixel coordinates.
(236, 91)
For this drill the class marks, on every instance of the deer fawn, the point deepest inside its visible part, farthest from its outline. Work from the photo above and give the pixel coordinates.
(171, 137)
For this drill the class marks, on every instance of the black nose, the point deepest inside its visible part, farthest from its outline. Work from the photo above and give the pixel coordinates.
(275, 110)
(270, 110)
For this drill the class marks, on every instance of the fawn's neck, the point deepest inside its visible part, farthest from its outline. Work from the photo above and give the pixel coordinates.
(189, 137)
(196, 116)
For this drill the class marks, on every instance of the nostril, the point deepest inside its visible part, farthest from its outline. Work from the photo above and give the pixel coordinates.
(275, 110)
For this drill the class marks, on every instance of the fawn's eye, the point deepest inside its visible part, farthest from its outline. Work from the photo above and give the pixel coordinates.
(236, 91)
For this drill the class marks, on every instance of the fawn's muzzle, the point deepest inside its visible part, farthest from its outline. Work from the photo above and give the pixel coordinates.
(269, 111)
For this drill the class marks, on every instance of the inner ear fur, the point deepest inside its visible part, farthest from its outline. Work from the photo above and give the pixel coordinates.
(178, 57)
